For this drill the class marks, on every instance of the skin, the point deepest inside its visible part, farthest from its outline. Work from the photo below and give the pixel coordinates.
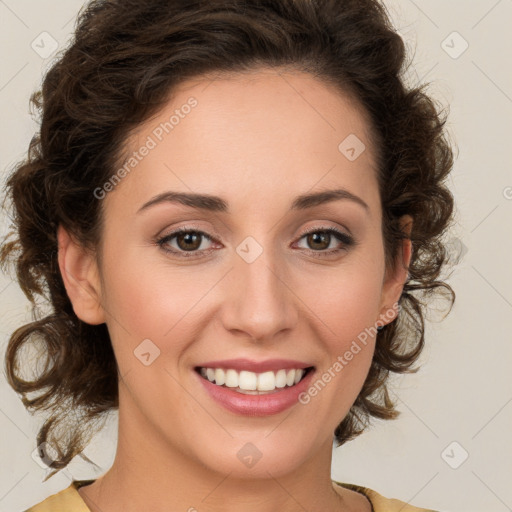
(258, 140)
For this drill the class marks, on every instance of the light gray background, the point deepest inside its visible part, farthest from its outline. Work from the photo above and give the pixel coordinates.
(463, 393)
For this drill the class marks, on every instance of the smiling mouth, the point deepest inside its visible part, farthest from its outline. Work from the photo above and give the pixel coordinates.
(251, 383)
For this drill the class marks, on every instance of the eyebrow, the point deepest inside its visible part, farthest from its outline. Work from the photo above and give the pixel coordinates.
(217, 204)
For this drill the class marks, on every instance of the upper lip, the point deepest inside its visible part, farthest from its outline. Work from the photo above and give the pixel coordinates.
(255, 366)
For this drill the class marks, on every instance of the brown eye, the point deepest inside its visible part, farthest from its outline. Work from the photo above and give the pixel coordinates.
(319, 240)
(185, 242)
(190, 241)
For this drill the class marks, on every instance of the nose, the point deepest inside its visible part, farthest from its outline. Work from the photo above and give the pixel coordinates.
(259, 301)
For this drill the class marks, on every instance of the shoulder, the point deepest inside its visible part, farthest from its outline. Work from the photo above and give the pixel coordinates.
(382, 504)
(67, 500)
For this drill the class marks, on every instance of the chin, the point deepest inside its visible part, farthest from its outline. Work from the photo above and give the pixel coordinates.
(257, 457)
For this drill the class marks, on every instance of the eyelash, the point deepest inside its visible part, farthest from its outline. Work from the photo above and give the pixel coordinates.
(347, 240)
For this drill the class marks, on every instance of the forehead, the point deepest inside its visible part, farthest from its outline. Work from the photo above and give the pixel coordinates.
(232, 134)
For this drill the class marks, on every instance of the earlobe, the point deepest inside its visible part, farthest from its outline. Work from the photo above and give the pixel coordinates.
(79, 272)
(393, 285)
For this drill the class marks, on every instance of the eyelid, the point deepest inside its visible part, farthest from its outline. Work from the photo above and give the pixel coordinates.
(314, 229)
(188, 227)
(165, 235)
(215, 236)
(345, 239)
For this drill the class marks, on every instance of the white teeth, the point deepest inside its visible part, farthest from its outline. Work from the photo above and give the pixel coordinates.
(250, 381)
(231, 379)
(281, 379)
(266, 381)
(247, 380)
(220, 377)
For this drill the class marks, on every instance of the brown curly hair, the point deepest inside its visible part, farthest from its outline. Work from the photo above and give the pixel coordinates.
(124, 60)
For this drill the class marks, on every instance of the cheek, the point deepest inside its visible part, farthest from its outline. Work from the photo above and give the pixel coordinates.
(354, 317)
(347, 305)
(349, 312)
(152, 301)
(346, 299)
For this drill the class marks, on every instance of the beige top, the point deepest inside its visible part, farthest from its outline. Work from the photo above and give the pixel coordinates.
(70, 500)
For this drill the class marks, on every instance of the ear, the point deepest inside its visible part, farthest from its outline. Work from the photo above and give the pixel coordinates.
(79, 272)
(393, 283)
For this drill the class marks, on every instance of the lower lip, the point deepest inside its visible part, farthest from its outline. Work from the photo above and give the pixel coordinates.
(256, 405)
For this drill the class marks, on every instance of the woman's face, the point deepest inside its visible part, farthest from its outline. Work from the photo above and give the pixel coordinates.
(246, 282)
